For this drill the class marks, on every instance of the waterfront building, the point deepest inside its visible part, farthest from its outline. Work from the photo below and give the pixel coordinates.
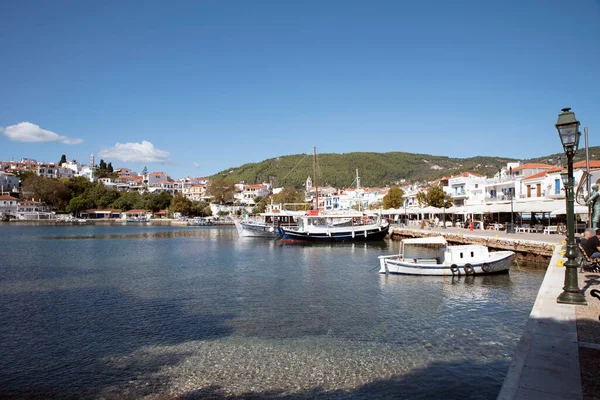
(100, 214)
(526, 170)
(466, 189)
(8, 206)
(33, 210)
(137, 214)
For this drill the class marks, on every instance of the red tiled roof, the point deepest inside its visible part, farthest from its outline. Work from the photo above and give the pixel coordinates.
(467, 174)
(7, 197)
(593, 164)
(544, 173)
(138, 211)
(533, 166)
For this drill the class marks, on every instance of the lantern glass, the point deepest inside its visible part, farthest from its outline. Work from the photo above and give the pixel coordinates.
(568, 135)
(564, 177)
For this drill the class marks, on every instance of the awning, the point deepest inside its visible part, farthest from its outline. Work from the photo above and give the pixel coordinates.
(536, 206)
(578, 210)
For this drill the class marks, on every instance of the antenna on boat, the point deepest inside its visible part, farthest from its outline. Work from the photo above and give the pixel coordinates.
(357, 179)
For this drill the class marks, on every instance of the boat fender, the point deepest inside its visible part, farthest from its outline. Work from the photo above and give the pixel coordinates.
(271, 229)
(486, 267)
(365, 234)
(468, 269)
(454, 268)
(352, 234)
(328, 233)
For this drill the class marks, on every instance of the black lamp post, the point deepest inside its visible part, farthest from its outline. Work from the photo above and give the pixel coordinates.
(568, 131)
(444, 204)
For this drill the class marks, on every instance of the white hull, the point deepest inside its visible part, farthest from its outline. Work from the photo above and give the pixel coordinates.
(246, 229)
(497, 262)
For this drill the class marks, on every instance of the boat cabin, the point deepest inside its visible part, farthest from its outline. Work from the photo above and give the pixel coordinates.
(470, 253)
(461, 254)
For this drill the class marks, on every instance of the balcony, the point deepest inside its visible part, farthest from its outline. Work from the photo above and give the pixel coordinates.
(459, 195)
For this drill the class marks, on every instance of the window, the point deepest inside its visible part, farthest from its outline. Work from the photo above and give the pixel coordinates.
(557, 186)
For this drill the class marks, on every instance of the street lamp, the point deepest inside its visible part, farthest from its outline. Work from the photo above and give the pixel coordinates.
(444, 203)
(512, 213)
(568, 131)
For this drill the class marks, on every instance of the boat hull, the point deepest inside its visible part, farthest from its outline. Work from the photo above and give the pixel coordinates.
(499, 262)
(245, 229)
(360, 234)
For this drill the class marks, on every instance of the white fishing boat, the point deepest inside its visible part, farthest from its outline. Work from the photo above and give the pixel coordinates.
(266, 224)
(444, 260)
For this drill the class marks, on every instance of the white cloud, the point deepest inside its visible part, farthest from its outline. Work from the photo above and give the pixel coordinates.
(196, 164)
(135, 152)
(28, 132)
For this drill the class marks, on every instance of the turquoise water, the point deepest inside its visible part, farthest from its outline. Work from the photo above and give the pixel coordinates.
(132, 311)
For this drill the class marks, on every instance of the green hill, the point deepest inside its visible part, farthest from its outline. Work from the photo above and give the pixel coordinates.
(375, 169)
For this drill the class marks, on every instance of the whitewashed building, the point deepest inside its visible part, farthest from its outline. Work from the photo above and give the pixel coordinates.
(8, 206)
(9, 182)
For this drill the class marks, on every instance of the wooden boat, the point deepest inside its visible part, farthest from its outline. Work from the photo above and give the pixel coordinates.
(448, 260)
(315, 227)
(267, 223)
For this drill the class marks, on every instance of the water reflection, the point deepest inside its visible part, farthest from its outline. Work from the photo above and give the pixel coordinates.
(182, 297)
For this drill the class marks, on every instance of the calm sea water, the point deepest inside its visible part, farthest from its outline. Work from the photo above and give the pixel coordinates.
(136, 311)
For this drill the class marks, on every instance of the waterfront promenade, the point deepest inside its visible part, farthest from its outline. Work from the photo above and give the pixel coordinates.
(559, 352)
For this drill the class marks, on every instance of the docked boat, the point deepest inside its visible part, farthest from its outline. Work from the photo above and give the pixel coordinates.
(315, 227)
(443, 259)
(199, 221)
(266, 224)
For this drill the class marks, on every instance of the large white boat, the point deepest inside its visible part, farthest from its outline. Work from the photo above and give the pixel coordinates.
(355, 227)
(266, 224)
(444, 260)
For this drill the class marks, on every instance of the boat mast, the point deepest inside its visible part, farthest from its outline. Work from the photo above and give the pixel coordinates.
(357, 188)
(316, 179)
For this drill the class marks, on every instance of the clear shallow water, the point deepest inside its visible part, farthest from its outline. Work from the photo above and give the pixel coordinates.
(132, 311)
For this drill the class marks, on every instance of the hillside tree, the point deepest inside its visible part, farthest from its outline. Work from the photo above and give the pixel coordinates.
(221, 190)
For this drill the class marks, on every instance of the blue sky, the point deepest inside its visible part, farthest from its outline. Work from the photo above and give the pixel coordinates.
(193, 88)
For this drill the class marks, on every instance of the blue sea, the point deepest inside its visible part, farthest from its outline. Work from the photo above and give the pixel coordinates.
(120, 312)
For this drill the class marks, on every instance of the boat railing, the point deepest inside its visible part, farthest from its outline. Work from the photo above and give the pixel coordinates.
(390, 256)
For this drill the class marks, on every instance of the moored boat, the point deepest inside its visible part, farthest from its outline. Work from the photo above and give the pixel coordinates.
(267, 223)
(447, 260)
(315, 227)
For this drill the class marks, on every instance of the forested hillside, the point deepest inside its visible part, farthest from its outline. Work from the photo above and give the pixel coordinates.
(375, 169)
